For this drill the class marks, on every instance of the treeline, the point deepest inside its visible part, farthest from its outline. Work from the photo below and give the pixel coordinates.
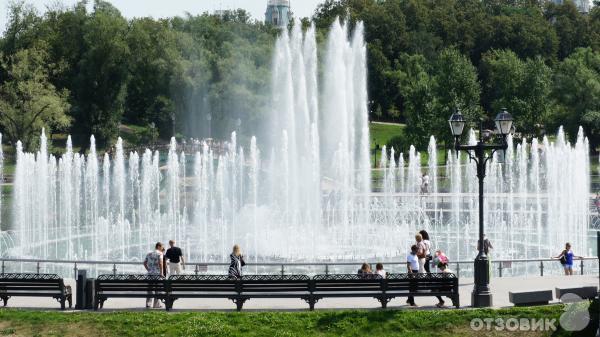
(86, 71)
(427, 57)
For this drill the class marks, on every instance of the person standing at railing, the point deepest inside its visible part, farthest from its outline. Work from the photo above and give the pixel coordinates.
(237, 262)
(566, 259)
(154, 266)
(175, 257)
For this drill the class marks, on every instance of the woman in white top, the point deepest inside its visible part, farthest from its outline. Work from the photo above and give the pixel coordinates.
(421, 252)
(380, 271)
(427, 244)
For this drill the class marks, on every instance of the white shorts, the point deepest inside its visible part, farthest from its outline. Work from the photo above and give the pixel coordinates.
(174, 268)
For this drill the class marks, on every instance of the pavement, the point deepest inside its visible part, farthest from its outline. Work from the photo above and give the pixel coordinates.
(499, 286)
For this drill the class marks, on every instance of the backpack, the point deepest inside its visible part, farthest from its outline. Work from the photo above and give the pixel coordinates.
(563, 258)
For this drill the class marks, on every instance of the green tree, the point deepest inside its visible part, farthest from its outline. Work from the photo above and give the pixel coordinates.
(577, 91)
(432, 90)
(100, 87)
(154, 57)
(421, 106)
(571, 26)
(455, 86)
(28, 101)
(521, 86)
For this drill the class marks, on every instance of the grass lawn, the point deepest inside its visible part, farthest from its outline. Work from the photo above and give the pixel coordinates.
(381, 133)
(15, 322)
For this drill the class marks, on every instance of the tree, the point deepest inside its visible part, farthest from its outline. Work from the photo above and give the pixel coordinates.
(432, 90)
(523, 87)
(100, 87)
(420, 103)
(456, 85)
(154, 57)
(577, 91)
(28, 101)
(570, 25)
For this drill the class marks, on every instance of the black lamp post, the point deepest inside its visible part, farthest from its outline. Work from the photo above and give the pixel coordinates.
(209, 120)
(481, 296)
(173, 124)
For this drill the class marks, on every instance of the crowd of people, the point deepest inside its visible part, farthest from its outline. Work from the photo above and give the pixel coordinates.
(418, 261)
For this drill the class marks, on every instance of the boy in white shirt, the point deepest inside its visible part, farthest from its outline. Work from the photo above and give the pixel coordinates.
(412, 264)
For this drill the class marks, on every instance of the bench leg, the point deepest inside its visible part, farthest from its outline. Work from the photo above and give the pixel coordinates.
(5, 299)
(169, 303)
(239, 302)
(384, 301)
(96, 303)
(62, 303)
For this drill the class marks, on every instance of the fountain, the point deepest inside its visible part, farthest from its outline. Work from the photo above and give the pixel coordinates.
(307, 195)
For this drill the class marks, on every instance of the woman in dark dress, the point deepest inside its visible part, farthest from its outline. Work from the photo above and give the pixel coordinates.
(237, 262)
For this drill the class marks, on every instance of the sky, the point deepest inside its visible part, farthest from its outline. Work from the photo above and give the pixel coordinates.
(167, 8)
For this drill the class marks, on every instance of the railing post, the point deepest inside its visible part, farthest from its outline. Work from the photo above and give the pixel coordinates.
(38, 267)
(541, 268)
(581, 266)
(326, 268)
(457, 269)
(2, 266)
(114, 269)
(196, 270)
(282, 270)
(75, 270)
(499, 269)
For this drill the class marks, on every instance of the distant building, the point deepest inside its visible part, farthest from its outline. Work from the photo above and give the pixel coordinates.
(278, 13)
(583, 5)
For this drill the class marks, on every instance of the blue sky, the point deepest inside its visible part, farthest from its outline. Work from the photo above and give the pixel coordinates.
(166, 8)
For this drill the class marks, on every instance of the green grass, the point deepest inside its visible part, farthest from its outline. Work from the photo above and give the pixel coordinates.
(318, 323)
(382, 133)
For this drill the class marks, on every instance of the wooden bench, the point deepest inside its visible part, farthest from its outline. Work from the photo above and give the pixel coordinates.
(128, 286)
(237, 290)
(527, 298)
(421, 285)
(35, 285)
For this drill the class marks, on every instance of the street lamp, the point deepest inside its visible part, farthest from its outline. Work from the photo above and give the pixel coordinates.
(173, 124)
(481, 295)
(209, 120)
(376, 150)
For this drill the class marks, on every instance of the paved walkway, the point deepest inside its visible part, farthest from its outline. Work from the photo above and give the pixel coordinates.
(500, 288)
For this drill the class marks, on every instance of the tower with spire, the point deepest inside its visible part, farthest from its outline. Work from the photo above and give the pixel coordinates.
(278, 13)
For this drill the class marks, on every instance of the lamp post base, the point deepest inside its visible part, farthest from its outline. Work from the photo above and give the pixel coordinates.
(481, 300)
(481, 296)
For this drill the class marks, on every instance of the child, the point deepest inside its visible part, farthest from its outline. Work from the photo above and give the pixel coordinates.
(444, 268)
(379, 270)
(412, 264)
